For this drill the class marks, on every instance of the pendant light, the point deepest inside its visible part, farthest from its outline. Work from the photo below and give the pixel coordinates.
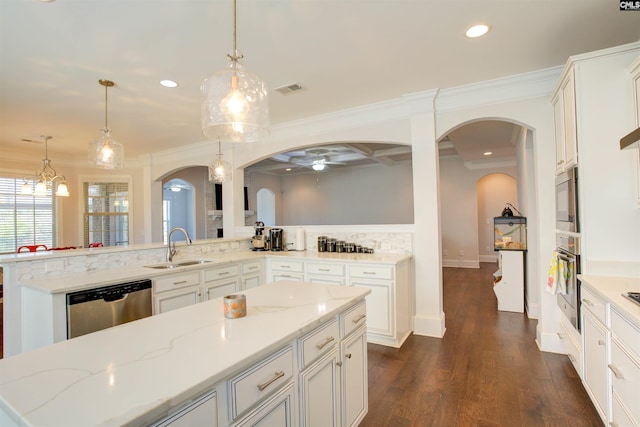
(104, 152)
(47, 177)
(235, 104)
(219, 170)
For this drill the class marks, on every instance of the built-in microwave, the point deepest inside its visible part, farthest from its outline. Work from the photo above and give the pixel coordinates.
(567, 218)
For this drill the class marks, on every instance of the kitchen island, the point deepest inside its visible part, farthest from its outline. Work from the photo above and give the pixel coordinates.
(147, 370)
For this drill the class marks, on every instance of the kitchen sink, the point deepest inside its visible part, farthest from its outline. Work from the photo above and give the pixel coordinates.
(176, 264)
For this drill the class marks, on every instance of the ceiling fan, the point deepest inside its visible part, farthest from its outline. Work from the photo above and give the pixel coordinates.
(316, 158)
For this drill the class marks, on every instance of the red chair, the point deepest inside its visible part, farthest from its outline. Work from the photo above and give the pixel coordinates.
(95, 245)
(31, 248)
(64, 248)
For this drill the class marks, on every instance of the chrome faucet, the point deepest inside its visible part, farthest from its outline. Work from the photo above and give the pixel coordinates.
(171, 250)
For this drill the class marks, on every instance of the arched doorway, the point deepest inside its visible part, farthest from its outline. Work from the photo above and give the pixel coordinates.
(178, 207)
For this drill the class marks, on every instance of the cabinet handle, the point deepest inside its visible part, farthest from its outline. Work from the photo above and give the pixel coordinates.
(600, 342)
(571, 358)
(253, 268)
(588, 302)
(278, 374)
(359, 318)
(339, 363)
(323, 269)
(326, 341)
(615, 371)
(285, 266)
(348, 355)
(560, 336)
(182, 282)
(371, 273)
(223, 273)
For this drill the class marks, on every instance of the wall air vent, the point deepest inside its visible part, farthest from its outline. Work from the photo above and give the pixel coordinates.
(289, 89)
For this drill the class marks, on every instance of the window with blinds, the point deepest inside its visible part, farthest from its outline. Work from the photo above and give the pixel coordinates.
(25, 219)
(106, 213)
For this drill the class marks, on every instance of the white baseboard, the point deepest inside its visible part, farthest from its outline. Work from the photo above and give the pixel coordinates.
(460, 263)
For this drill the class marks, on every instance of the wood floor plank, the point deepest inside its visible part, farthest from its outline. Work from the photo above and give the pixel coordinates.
(487, 370)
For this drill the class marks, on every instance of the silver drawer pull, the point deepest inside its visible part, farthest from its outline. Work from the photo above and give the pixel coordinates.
(560, 336)
(323, 269)
(285, 266)
(339, 363)
(600, 342)
(278, 374)
(369, 273)
(348, 355)
(222, 273)
(588, 302)
(359, 318)
(616, 372)
(180, 282)
(326, 341)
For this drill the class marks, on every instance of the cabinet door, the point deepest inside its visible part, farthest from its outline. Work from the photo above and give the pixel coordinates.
(298, 277)
(558, 118)
(570, 137)
(595, 361)
(354, 378)
(250, 282)
(278, 411)
(220, 288)
(319, 392)
(203, 413)
(380, 305)
(171, 300)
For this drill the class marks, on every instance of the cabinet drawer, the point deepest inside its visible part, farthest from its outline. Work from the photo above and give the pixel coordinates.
(221, 272)
(318, 342)
(259, 381)
(620, 416)
(283, 265)
(626, 333)
(371, 271)
(353, 318)
(625, 379)
(574, 352)
(176, 281)
(594, 304)
(251, 267)
(328, 269)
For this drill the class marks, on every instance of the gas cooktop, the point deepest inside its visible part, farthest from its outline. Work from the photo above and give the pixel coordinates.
(633, 296)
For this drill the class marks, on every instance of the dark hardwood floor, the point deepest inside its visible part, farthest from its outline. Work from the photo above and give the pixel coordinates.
(486, 371)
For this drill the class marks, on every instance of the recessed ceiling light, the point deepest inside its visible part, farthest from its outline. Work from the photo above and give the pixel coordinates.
(487, 153)
(168, 83)
(288, 169)
(477, 31)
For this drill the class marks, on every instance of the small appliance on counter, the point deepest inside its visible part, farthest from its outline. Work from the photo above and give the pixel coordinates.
(298, 243)
(276, 239)
(259, 241)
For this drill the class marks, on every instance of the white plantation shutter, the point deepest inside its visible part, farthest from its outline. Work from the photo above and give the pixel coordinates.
(25, 219)
(106, 213)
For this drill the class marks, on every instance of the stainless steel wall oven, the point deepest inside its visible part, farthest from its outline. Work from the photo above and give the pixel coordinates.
(568, 249)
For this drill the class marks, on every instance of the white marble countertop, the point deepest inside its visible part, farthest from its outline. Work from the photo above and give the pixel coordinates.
(138, 372)
(93, 279)
(611, 288)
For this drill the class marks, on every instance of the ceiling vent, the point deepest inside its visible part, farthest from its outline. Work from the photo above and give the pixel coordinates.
(289, 89)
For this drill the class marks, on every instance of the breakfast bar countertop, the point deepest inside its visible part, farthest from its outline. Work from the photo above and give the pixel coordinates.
(141, 371)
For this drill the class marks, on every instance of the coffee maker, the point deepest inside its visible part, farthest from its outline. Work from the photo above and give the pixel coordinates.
(259, 241)
(276, 239)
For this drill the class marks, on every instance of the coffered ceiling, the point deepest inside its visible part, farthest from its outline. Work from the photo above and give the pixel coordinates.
(342, 53)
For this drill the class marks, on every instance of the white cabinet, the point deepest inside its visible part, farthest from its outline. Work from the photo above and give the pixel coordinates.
(324, 272)
(176, 291)
(277, 411)
(635, 85)
(625, 371)
(320, 392)
(203, 412)
(595, 335)
(353, 359)
(509, 281)
(564, 114)
(221, 281)
(571, 340)
(252, 274)
(282, 269)
(388, 322)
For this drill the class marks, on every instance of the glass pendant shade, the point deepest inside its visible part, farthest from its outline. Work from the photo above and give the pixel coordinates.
(235, 105)
(105, 153)
(219, 170)
(62, 190)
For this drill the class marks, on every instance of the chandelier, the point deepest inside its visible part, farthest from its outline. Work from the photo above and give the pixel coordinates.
(104, 152)
(219, 170)
(46, 177)
(235, 104)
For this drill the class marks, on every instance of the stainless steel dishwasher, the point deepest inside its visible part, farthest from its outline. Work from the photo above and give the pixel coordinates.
(100, 308)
